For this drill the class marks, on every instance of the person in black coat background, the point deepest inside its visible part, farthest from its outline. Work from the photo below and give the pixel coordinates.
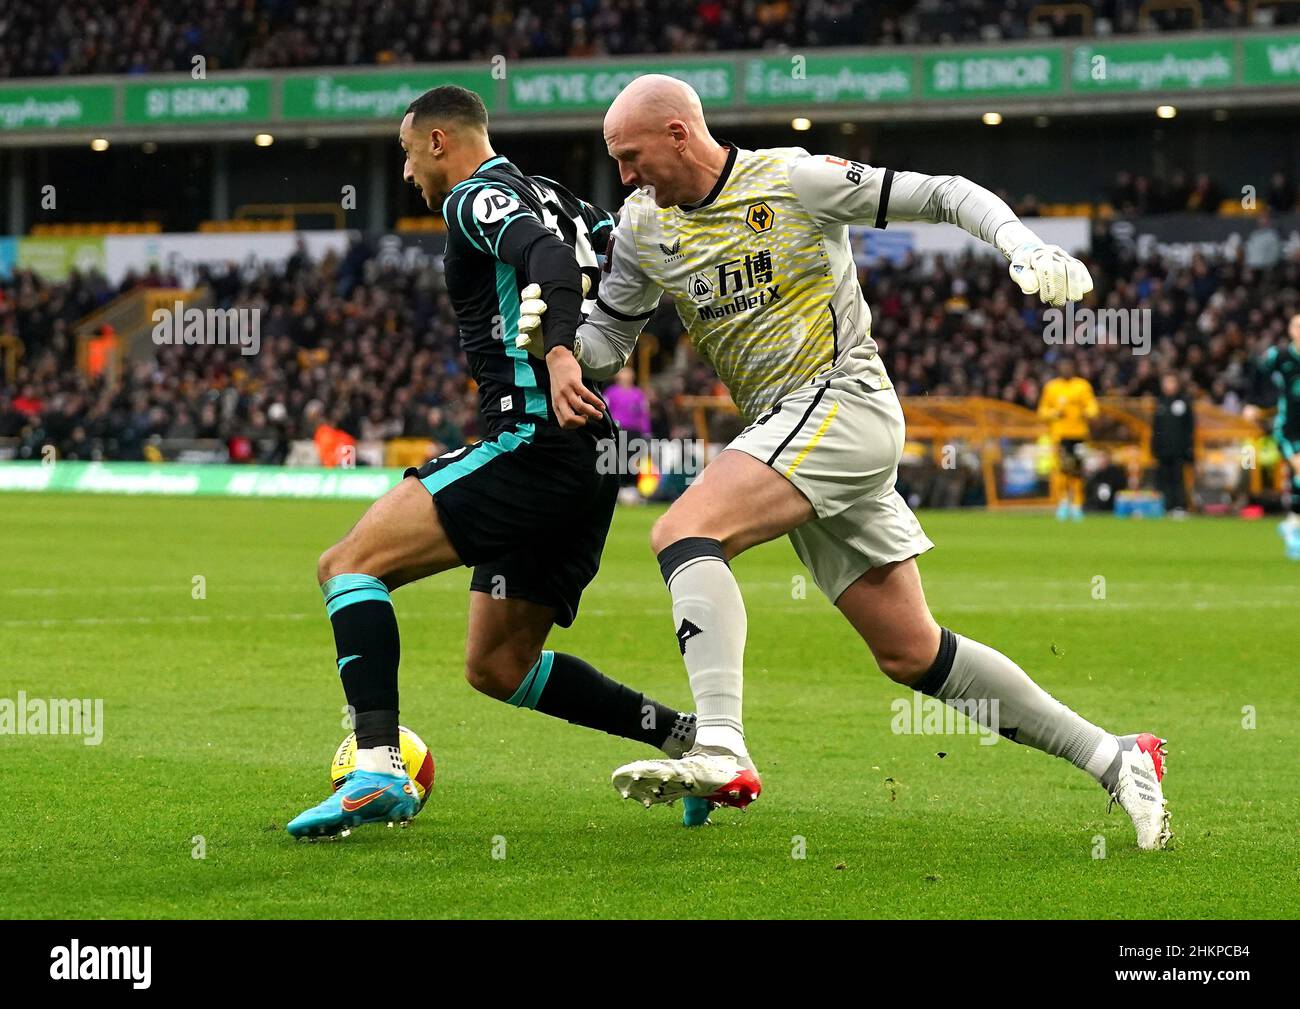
(1173, 434)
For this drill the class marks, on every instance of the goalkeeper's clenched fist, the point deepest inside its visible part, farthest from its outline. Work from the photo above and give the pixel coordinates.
(1050, 272)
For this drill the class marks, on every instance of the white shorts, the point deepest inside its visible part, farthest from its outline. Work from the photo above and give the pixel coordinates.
(839, 441)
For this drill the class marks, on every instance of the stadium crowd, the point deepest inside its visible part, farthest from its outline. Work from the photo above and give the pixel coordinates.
(54, 37)
(369, 347)
(1133, 194)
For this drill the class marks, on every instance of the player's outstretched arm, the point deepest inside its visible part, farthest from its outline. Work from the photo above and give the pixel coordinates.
(492, 219)
(625, 301)
(838, 191)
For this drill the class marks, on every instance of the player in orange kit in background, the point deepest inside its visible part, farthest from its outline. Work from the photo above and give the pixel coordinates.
(1067, 404)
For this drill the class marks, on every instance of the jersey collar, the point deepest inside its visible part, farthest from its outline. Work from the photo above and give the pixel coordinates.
(492, 162)
(686, 208)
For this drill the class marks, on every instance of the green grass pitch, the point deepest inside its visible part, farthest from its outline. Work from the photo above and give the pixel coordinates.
(221, 715)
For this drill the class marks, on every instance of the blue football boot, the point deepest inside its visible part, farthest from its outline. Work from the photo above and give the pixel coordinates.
(1290, 532)
(363, 797)
(695, 811)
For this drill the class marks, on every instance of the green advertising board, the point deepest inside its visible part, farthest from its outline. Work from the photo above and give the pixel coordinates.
(1270, 59)
(730, 82)
(373, 95)
(55, 106)
(826, 79)
(993, 73)
(1156, 66)
(55, 258)
(198, 481)
(209, 101)
(589, 89)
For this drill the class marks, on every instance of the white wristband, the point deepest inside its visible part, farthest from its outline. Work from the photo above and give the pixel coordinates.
(1012, 236)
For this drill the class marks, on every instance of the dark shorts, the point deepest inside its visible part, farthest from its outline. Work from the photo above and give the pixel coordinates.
(1072, 450)
(528, 511)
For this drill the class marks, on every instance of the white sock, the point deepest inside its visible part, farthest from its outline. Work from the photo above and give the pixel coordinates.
(988, 686)
(1099, 763)
(709, 616)
(724, 736)
(381, 760)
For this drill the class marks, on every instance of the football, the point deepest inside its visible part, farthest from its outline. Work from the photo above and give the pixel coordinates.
(415, 755)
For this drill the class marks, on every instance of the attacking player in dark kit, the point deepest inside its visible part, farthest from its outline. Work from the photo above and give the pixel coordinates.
(1282, 367)
(526, 507)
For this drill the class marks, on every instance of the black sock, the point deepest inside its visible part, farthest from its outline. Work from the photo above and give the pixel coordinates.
(365, 634)
(566, 687)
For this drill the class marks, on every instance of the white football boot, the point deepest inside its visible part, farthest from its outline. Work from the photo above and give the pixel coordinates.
(1142, 765)
(711, 774)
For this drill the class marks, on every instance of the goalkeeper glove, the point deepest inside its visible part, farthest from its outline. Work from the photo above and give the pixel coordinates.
(1050, 272)
(531, 310)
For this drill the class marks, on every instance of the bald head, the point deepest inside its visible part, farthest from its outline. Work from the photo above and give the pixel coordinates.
(656, 132)
(656, 99)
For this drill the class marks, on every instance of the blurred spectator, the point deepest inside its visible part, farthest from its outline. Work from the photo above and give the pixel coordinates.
(1264, 246)
(1205, 196)
(1281, 193)
(334, 445)
(440, 430)
(628, 404)
(1173, 438)
(100, 350)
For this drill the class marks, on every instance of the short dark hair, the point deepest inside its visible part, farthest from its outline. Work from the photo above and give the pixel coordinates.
(450, 101)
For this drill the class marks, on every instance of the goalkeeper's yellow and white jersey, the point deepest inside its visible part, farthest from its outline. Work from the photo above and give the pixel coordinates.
(764, 281)
(760, 270)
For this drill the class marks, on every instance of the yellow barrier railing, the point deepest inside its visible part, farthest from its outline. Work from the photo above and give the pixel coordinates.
(1122, 431)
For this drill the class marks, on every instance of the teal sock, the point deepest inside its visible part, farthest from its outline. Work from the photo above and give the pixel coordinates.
(564, 686)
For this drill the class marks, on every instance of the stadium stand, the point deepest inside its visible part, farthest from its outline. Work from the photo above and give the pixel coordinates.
(372, 350)
(40, 38)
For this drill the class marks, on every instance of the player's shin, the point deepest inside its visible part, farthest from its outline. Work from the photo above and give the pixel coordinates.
(564, 686)
(369, 649)
(987, 686)
(709, 615)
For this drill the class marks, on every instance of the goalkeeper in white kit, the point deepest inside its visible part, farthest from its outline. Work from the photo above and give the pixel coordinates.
(752, 246)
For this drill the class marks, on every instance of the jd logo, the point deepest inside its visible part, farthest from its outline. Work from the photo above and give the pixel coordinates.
(491, 205)
(759, 217)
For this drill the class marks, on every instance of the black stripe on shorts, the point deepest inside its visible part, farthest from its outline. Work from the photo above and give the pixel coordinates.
(802, 421)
